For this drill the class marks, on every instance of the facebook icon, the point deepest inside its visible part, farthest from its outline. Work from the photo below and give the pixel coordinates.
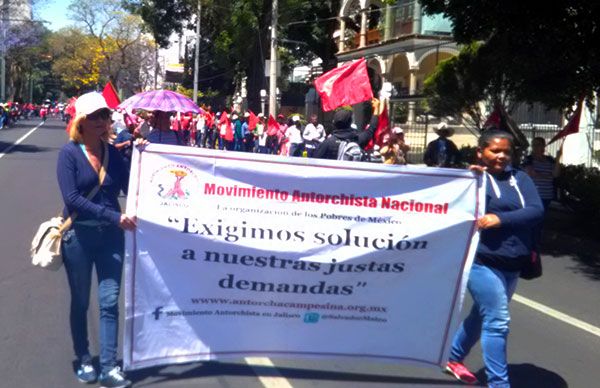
(157, 312)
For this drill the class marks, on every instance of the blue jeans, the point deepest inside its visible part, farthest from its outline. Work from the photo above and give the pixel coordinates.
(84, 247)
(489, 319)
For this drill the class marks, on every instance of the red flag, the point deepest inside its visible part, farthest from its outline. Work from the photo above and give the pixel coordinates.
(272, 126)
(572, 125)
(252, 120)
(111, 96)
(494, 119)
(209, 118)
(383, 128)
(346, 85)
(225, 130)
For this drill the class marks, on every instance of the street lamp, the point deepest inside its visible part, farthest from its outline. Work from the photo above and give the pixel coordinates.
(263, 100)
(278, 99)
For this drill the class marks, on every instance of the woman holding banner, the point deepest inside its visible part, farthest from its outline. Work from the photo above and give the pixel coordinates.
(91, 174)
(513, 209)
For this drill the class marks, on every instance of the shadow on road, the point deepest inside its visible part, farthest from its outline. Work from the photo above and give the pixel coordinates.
(28, 148)
(210, 369)
(529, 376)
(564, 235)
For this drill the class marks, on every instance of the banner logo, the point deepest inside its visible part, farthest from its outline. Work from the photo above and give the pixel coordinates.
(177, 185)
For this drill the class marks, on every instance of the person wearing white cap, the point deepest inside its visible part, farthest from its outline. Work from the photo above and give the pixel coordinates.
(395, 148)
(238, 135)
(88, 164)
(248, 145)
(293, 134)
(442, 152)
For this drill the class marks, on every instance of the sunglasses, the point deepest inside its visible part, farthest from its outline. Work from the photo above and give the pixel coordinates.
(102, 114)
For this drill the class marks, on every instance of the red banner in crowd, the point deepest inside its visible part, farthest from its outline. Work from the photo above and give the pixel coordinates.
(383, 127)
(346, 85)
(252, 120)
(272, 126)
(225, 130)
(573, 124)
(110, 95)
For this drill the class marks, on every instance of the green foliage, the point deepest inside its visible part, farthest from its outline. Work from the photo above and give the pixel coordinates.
(579, 189)
(162, 17)
(468, 155)
(459, 85)
(543, 52)
(236, 35)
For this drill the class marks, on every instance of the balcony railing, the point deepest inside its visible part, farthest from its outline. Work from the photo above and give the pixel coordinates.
(373, 36)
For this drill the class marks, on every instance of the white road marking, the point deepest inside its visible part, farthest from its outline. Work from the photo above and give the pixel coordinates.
(6, 151)
(558, 315)
(276, 381)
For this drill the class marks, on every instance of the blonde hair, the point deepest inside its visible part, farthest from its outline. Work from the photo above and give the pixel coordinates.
(75, 131)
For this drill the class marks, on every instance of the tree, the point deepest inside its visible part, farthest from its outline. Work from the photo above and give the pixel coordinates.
(545, 52)
(239, 33)
(77, 59)
(23, 55)
(463, 84)
(119, 41)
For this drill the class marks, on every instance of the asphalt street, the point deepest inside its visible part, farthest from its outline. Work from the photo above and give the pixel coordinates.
(35, 347)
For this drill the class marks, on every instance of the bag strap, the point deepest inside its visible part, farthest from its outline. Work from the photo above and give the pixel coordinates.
(341, 149)
(101, 175)
(513, 183)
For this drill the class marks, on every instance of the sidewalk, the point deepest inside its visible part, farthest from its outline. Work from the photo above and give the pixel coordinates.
(565, 235)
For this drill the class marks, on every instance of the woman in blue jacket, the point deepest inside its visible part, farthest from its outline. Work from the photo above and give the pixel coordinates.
(96, 238)
(513, 209)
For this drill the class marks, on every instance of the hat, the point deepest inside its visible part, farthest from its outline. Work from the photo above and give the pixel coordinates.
(260, 115)
(247, 114)
(295, 118)
(397, 130)
(89, 103)
(280, 116)
(234, 116)
(342, 119)
(444, 127)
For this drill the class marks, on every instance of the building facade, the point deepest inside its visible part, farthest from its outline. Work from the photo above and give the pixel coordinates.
(402, 46)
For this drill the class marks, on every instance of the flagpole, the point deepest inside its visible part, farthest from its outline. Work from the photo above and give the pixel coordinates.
(273, 62)
(197, 53)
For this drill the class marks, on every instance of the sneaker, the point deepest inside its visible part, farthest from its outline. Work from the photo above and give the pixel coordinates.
(461, 372)
(114, 379)
(86, 372)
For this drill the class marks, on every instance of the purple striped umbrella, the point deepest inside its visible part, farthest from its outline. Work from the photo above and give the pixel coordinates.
(164, 100)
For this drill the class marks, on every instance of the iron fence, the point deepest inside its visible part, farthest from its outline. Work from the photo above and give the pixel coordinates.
(547, 132)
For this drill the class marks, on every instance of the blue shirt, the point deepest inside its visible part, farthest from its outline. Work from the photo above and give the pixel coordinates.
(519, 211)
(77, 178)
(163, 137)
(544, 179)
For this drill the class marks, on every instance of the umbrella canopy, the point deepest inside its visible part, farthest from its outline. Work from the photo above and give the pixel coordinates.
(164, 100)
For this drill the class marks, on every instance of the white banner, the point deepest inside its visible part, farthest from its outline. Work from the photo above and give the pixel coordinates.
(241, 254)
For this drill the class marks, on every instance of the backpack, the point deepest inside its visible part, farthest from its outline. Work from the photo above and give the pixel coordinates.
(350, 150)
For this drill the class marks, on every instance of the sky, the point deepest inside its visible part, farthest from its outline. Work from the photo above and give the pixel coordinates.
(54, 12)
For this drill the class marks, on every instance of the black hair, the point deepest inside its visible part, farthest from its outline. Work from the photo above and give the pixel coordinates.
(490, 134)
(539, 139)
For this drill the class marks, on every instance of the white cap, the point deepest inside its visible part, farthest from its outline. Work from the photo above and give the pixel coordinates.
(260, 115)
(234, 117)
(295, 118)
(89, 103)
(441, 126)
(397, 130)
(247, 114)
